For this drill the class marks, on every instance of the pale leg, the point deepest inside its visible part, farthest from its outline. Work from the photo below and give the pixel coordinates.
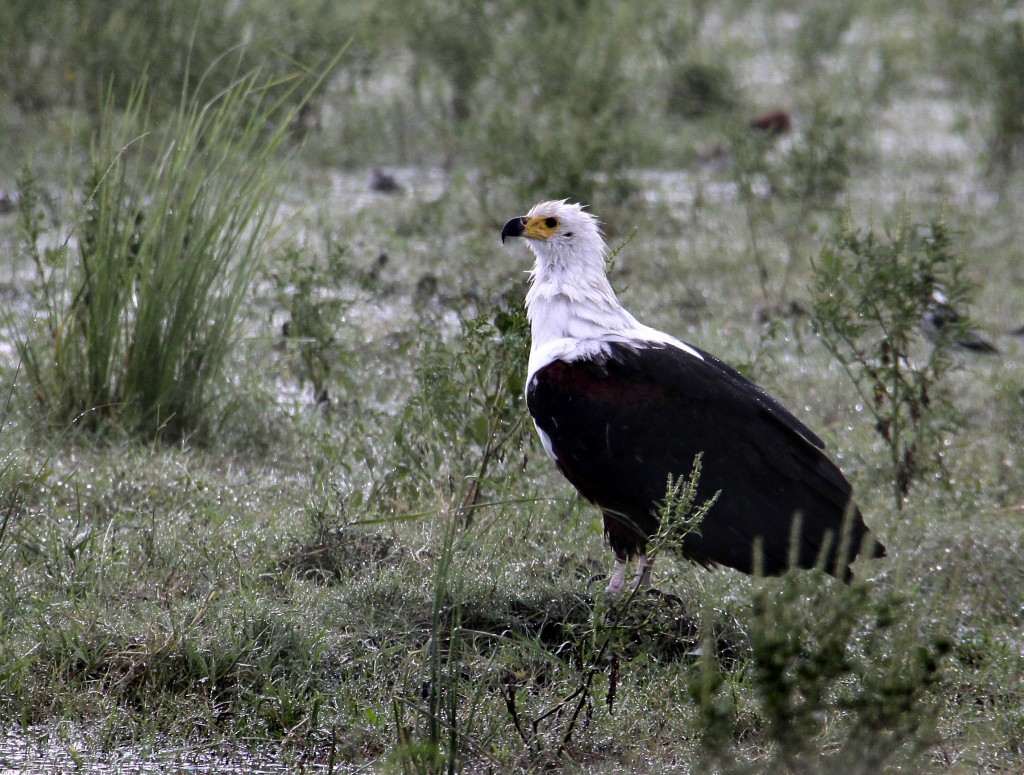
(644, 568)
(618, 579)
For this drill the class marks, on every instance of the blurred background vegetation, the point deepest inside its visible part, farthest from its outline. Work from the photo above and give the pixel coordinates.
(547, 96)
(505, 88)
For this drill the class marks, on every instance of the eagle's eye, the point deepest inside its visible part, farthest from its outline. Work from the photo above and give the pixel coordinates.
(551, 222)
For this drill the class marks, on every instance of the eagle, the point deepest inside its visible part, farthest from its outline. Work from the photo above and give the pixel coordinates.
(620, 407)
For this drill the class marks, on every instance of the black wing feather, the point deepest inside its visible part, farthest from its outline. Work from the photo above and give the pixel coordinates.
(620, 424)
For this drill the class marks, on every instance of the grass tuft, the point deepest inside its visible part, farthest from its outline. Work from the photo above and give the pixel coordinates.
(141, 302)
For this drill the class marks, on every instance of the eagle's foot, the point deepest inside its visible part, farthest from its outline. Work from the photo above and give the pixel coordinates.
(617, 581)
(644, 569)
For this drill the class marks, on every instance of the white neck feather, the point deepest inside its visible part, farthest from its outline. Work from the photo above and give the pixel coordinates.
(573, 299)
(572, 308)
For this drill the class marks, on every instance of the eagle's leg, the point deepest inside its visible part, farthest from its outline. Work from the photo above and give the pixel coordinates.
(644, 568)
(618, 578)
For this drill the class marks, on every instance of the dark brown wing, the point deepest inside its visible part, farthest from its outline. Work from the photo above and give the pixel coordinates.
(619, 425)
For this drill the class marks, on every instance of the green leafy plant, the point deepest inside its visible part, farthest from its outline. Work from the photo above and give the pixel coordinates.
(679, 513)
(871, 292)
(311, 295)
(822, 657)
(617, 630)
(467, 415)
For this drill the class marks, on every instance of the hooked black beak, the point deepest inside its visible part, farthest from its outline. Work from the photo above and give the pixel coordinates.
(513, 228)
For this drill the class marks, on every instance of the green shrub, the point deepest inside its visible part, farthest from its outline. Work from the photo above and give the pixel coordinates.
(824, 661)
(467, 416)
(871, 292)
(310, 292)
(698, 89)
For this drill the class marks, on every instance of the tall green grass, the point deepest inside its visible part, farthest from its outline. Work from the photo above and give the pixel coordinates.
(139, 306)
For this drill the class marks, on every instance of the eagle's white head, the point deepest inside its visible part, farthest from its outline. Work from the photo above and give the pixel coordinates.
(562, 235)
(572, 308)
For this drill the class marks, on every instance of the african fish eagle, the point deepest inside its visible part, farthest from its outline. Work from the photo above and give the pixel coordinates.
(620, 406)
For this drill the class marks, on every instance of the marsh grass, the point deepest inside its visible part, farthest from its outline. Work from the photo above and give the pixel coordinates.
(141, 300)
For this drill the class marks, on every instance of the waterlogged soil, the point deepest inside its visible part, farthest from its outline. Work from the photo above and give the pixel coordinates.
(921, 150)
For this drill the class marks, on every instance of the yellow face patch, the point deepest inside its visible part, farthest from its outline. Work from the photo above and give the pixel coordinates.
(540, 226)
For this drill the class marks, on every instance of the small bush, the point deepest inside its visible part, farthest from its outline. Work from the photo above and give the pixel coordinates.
(839, 661)
(698, 89)
(871, 293)
(467, 416)
(309, 293)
